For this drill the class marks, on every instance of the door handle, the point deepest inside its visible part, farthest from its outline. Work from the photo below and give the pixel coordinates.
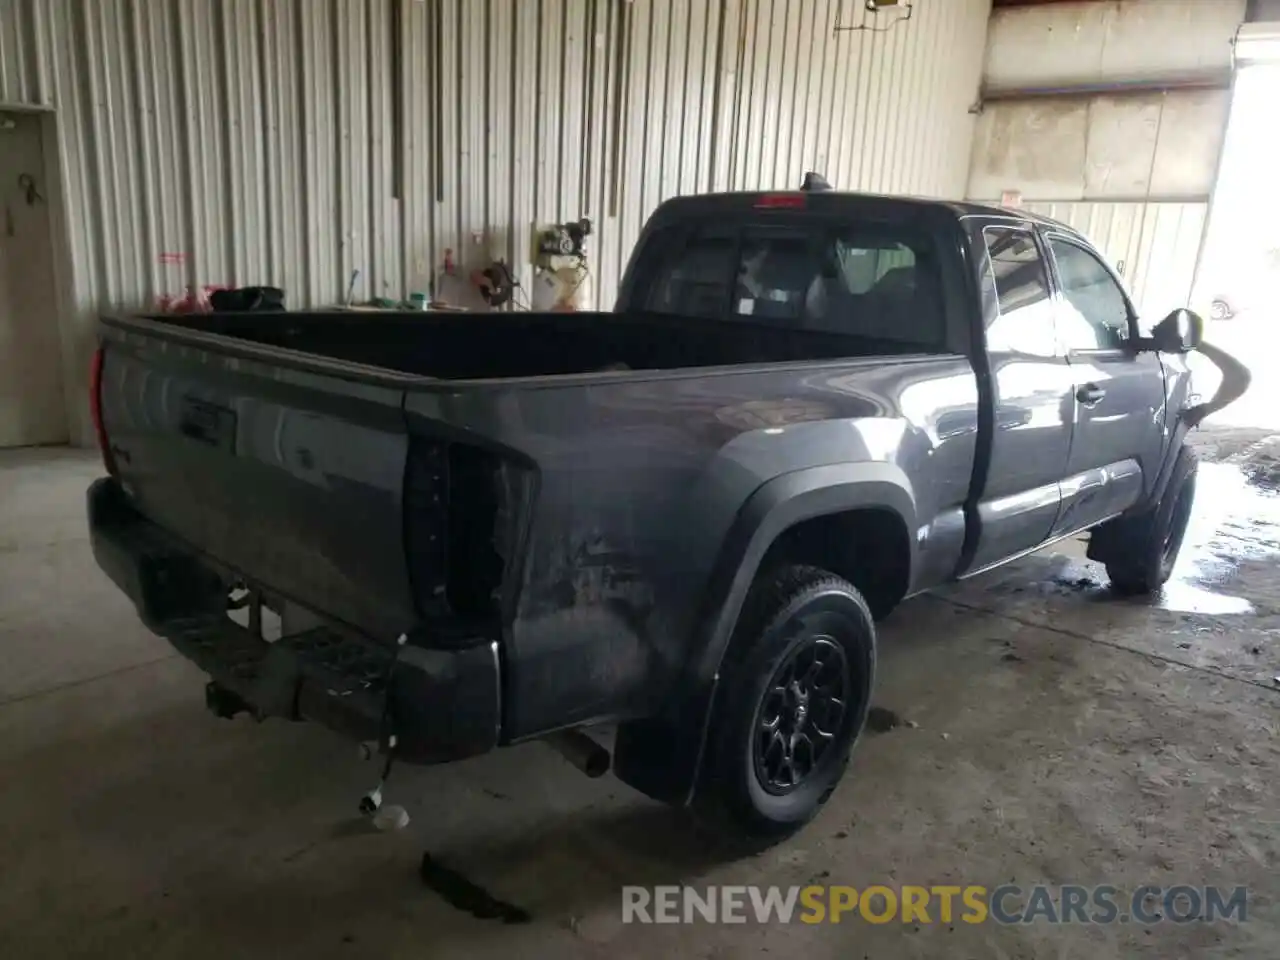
(1090, 394)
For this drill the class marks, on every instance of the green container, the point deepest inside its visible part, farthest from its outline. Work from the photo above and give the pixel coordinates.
(418, 301)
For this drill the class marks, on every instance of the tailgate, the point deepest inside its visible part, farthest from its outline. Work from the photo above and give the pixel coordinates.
(288, 470)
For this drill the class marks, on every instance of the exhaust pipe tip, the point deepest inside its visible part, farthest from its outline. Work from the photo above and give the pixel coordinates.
(581, 751)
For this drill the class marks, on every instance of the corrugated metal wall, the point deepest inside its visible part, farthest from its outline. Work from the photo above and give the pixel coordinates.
(294, 141)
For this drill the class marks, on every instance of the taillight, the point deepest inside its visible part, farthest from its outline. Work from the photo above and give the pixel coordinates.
(781, 201)
(95, 410)
(463, 511)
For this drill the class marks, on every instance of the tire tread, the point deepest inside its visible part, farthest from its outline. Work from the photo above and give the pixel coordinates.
(773, 597)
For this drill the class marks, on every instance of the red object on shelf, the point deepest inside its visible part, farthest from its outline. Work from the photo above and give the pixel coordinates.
(196, 301)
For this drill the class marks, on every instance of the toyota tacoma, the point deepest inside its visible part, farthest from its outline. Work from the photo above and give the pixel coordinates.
(439, 534)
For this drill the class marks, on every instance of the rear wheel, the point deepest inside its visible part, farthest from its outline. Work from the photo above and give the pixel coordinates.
(1140, 551)
(793, 697)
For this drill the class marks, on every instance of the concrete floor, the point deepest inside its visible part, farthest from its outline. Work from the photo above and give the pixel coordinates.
(1062, 736)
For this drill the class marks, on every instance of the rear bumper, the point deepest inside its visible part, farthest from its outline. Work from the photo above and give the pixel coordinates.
(439, 705)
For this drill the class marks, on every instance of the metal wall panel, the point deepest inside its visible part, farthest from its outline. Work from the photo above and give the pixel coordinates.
(293, 142)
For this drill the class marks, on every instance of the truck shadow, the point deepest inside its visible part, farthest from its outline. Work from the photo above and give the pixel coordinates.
(132, 816)
(167, 825)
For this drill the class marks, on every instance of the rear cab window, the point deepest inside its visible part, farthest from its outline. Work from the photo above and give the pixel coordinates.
(877, 282)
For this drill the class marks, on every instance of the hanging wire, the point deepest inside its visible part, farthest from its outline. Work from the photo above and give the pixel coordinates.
(27, 184)
(872, 8)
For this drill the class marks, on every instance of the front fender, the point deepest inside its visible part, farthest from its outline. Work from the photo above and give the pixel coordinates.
(661, 756)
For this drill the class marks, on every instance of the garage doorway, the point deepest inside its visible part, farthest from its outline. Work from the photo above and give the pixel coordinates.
(1238, 284)
(32, 401)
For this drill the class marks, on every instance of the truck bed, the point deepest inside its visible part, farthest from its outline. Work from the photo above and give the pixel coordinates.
(335, 463)
(517, 345)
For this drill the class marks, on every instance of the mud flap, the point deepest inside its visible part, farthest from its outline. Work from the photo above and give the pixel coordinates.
(660, 756)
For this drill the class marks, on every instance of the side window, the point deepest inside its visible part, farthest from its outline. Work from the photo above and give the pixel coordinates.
(1095, 315)
(1015, 291)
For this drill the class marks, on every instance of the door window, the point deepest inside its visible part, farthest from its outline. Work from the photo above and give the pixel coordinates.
(1015, 292)
(1094, 314)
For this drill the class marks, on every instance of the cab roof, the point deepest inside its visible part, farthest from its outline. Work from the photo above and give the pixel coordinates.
(703, 203)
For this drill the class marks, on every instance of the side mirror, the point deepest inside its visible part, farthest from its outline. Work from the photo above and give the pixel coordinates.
(1179, 332)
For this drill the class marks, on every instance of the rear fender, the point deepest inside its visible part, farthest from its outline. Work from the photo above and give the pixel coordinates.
(661, 756)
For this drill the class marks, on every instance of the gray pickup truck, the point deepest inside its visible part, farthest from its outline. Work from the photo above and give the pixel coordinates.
(682, 518)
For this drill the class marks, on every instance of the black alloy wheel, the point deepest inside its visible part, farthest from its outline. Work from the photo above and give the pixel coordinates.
(800, 714)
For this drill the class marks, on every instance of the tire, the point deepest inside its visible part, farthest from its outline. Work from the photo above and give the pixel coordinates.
(1140, 551)
(805, 639)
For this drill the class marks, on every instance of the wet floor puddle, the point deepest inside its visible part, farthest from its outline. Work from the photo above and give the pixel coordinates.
(1236, 520)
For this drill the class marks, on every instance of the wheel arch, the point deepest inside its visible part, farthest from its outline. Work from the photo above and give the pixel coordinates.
(775, 511)
(661, 756)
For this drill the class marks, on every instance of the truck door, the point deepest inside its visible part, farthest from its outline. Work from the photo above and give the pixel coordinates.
(1119, 393)
(1033, 393)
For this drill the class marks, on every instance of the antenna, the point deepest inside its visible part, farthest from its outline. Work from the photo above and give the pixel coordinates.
(815, 183)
